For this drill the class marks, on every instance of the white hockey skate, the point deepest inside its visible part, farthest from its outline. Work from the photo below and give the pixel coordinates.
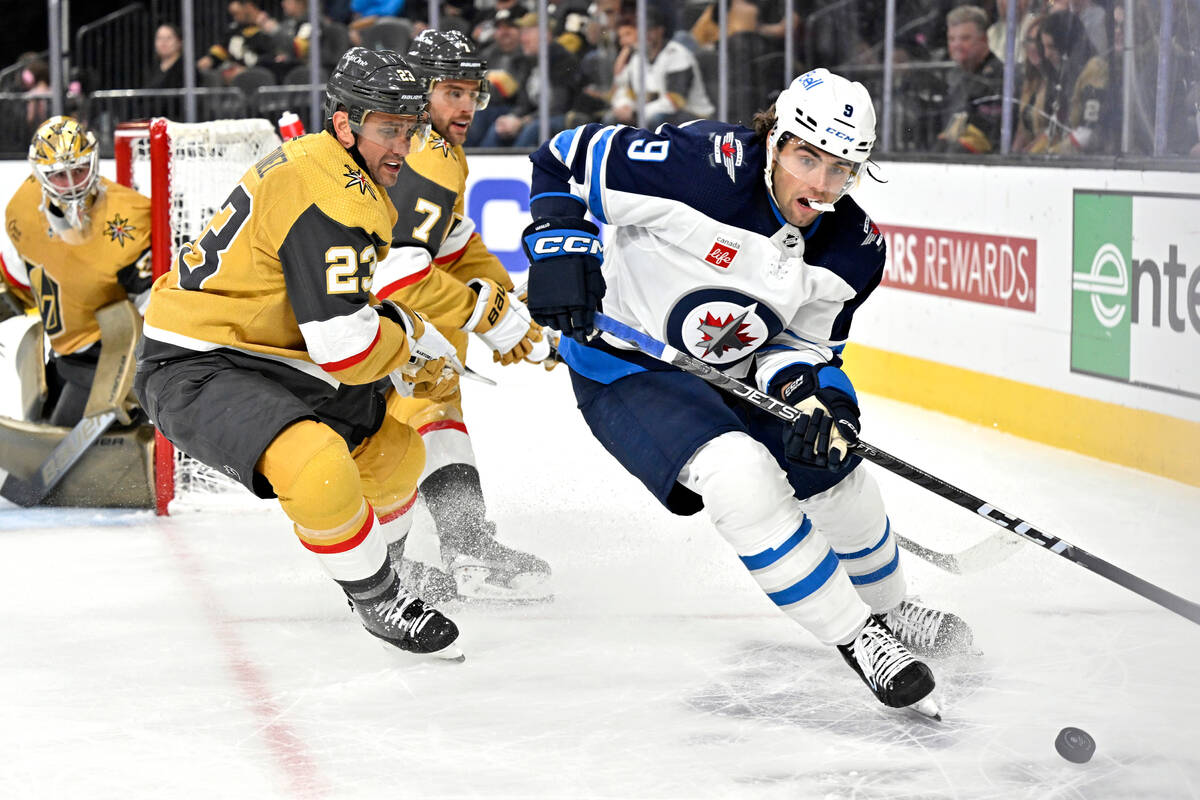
(492, 571)
(927, 631)
(889, 669)
(400, 618)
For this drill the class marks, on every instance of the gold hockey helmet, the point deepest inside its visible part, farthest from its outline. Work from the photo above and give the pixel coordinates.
(65, 159)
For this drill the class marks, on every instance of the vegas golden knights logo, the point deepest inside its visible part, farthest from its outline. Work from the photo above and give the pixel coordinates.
(50, 305)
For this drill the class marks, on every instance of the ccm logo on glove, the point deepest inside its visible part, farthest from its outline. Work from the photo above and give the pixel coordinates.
(553, 245)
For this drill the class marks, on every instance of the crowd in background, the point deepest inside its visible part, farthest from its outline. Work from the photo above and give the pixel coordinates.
(1069, 96)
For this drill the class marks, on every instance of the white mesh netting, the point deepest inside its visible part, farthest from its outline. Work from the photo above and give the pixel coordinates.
(206, 161)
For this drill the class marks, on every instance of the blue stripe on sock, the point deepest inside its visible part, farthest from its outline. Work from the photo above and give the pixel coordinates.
(769, 556)
(879, 574)
(887, 529)
(808, 584)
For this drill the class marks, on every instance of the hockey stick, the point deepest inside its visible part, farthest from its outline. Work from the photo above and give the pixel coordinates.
(980, 556)
(120, 325)
(651, 346)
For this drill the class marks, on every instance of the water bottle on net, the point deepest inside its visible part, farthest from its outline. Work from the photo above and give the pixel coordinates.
(290, 126)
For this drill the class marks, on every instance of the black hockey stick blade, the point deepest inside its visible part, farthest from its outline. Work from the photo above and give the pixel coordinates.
(64, 455)
(1156, 594)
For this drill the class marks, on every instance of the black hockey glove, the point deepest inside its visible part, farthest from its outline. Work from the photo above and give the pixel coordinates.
(565, 282)
(822, 436)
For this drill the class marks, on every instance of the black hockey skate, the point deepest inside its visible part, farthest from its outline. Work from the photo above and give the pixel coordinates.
(400, 618)
(929, 632)
(889, 669)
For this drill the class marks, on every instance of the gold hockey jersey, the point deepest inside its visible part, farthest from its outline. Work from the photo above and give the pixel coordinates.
(69, 282)
(435, 248)
(284, 271)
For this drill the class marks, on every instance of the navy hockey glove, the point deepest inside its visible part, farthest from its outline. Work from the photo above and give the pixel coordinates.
(565, 282)
(829, 424)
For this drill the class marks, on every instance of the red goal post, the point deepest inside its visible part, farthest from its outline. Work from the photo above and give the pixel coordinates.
(188, 170)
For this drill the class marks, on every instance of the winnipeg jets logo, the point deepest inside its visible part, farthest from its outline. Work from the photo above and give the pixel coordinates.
(872, 233)
(718, 335)
(119, 229)
(357, 178)
(727, 152)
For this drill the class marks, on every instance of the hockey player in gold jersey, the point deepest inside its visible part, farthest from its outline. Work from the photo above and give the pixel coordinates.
(82, 242)
(440, 266)
(264, 355)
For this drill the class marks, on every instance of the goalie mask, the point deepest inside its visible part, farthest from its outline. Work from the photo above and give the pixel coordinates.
(450, 56)
(833, 115)
(64, 157)
(381, 81)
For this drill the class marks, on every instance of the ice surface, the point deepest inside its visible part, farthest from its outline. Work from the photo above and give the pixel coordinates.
(206, 655)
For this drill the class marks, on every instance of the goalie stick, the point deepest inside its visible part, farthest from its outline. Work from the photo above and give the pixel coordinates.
(1156, 594)
(120, 327)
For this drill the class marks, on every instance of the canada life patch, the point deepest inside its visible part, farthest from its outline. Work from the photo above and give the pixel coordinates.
(722, 252)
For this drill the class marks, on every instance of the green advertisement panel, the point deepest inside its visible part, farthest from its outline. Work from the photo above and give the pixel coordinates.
(1102, 285)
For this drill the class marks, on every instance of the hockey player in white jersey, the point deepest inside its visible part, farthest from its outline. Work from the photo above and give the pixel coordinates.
(742, 248)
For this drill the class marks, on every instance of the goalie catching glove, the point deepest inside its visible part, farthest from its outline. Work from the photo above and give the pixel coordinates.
(432, 361)
(503, 323)
(829, 422)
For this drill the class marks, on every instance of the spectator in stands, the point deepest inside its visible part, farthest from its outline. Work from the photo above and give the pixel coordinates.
(972, 110)
(1076, 89)
(167, 73)
(295, 27)
(35, 78)
(508, 68)
(520, 125)
(1092, 15)
(997, 32)
(1183, 98)
(674, 90)
(253, 37)
(1030, 120)
(596, 66)
(485, 21)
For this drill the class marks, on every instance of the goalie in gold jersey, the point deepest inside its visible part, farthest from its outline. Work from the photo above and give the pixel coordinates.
(83, 242)
(439, 265)
(263, 355)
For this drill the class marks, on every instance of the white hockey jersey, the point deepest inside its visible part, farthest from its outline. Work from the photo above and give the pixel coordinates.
(698, 255)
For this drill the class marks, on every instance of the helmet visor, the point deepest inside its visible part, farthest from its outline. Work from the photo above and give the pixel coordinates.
(825, 172)
(392, 131)
(456, 91)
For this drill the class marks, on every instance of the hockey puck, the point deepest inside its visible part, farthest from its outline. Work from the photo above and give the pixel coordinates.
(1075, 745)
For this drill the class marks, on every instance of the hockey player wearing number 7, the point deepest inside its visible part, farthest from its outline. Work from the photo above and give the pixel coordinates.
(742, 248)
(266, 356)
(439, 266)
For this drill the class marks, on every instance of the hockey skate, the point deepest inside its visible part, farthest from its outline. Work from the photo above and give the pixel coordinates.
(928, 632)
(488, 570)
(400, 618)
(889, 669)
(431, 584)
(481, 567)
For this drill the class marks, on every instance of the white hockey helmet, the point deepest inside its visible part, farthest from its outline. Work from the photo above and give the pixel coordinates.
(829, 112)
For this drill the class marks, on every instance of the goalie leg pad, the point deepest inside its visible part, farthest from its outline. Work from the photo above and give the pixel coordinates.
(319, 487)
(753, 506)
(851, 516)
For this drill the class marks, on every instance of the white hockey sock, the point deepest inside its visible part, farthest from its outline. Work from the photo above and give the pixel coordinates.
(852, 519)
(752, 505)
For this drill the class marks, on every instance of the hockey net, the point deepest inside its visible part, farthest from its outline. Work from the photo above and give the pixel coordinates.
(188, 170)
